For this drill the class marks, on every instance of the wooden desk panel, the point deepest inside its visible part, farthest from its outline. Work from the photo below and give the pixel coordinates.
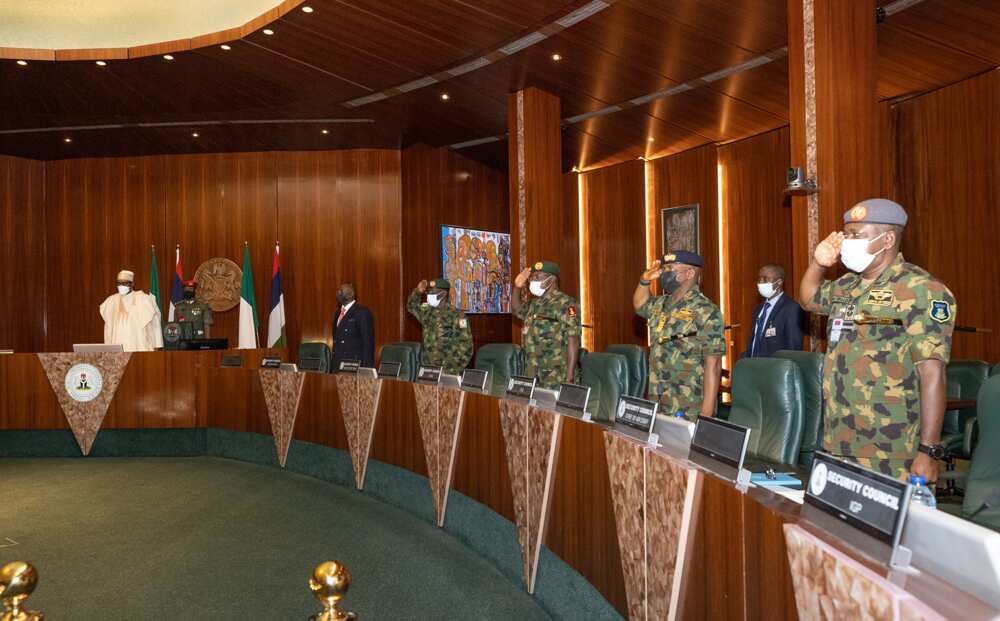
(320, 419)
(397, 438)
(26, 398)
(481, 470)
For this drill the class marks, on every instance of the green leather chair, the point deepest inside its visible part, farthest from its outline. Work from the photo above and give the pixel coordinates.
(314, 356)
(811, 368)
(638, 367)
(501, 360)
(964, 378)
(767, 397)
(984, 471)
(607, 376)
(406, 353)
(995, 370)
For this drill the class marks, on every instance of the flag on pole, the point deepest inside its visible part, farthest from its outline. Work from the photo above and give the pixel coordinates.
(248, 306)
(176, 285)
(276, 319)
(154, 281)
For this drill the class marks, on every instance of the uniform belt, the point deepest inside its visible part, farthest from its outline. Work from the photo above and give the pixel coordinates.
(664, 339)
(878, 321)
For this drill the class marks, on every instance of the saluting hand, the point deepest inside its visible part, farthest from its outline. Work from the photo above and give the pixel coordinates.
(654, 271)
(522, 277)
(422, 286)
(828, 251)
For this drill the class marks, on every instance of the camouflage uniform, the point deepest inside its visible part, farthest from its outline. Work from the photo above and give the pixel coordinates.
(682, 335)
(549, 322)
(447, 340)
(193, 316)
(877, 334)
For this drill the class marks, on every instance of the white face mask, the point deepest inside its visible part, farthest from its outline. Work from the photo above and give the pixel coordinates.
(433, 300)
(537, 288)
(766, 289)
(124, 289)
(854, 254)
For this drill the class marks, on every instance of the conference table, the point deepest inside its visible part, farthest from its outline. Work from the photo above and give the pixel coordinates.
(649, 533)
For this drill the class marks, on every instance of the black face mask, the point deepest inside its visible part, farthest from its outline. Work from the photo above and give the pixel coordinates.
(342, 299)
(668, 282)
(189, 295)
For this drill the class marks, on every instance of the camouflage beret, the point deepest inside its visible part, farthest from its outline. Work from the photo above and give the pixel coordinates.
(440, 283)
(876, 211)
(549, 267)
(683, 256)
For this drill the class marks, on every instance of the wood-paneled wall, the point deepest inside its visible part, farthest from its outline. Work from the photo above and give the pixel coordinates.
(442, 187)
(948, 179)
(758, 223)
(22, 236)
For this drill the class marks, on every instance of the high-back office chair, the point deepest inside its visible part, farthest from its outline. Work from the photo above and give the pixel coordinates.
(406, 353)
(811, 369)
(607, 376)
(965, 377)
(638, 367)
(315, 356)
(502, 360)
(767, 397)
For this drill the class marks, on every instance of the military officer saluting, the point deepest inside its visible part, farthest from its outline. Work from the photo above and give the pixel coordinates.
(687, 336)
(195, 317)
(551, 325)
(447, 340)
(889, 339)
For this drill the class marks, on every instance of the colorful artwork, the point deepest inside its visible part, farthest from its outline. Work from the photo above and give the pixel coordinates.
(477, 264)
(680, 228)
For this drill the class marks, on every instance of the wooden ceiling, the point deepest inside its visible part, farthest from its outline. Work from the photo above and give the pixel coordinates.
(317, 66)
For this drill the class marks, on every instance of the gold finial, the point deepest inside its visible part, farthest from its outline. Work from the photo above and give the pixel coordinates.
(329, 584)
(17, 582)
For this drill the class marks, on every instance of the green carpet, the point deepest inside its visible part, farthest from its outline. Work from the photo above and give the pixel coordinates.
(207, 538)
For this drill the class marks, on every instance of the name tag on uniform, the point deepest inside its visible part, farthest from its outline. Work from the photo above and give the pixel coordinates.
(772, 331)
(839, 327)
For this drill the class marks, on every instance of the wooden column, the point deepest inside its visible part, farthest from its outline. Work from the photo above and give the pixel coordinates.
(833, 108)
(535, 156)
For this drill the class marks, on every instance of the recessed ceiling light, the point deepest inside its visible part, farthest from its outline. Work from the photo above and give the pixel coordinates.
(167, 57)
(23, 63)
(225, 47)
(556, 57)
(324, 131)
(650, 139)
(268, 31)
(194, 134)
(445, 97)
(307, 9)
(101, 63)
(67, 139)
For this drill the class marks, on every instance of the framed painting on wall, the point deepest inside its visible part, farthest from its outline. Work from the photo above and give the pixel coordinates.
(680, 229)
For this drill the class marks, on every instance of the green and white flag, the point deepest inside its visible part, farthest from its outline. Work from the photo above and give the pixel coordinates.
(248, 306)
(154, 282)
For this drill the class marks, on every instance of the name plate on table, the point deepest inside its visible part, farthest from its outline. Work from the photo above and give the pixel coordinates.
(637, 413)
(270, 363)
(389, 369)
(522, 387)
(429, 375)
(573, 397)
(348, 366)
(870, 504)
(474, 379)
(288, 366)
(721, 447)
(232, 362)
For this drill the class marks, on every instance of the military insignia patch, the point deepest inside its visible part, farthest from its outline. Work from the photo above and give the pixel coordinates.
(682, 315)
(538, 265)
(571, 311)
(859, 213)
(940, 311)
(668, 258)
(881, 297)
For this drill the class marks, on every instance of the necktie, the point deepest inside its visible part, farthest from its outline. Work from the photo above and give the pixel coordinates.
(343, 311)
(760, 327)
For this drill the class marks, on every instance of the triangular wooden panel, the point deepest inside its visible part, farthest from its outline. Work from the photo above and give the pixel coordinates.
(85, 417)
(671, 502)
(514, 424)
(628, 494)
(544, 429)
(282, 393)
(369, 391)
(347, 393)
(426, 397)
(451, 408)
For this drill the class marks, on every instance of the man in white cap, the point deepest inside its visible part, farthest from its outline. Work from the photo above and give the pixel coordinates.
(131, 318)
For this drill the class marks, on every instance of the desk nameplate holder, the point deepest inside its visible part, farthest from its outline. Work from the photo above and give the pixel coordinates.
(721, 447)
(867, 509)
(474, 380)
(389, 370)
(521, 388)
(231, 362)
(573, 400)
(348, 366)
(638, 414)
(269, 362)
(428, 375)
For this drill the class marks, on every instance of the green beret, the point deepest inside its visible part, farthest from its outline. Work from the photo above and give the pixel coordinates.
(440, 283)
(549, 267)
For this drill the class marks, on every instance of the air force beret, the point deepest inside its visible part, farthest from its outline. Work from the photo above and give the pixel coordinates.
(440, 283)
(876, 211)
(549, 267)
(683, 256)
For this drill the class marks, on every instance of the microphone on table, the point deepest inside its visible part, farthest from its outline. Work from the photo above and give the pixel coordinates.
(992, 501)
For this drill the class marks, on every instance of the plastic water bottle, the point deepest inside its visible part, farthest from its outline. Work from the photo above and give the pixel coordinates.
(922, 495)
(680, 414)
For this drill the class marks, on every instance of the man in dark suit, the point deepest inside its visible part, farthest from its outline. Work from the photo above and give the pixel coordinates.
(353, 329)
(777, 321)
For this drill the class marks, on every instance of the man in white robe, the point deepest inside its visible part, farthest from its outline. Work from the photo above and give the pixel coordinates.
(131, 318)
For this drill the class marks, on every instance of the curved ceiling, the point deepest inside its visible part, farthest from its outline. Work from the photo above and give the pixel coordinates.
(87, 24)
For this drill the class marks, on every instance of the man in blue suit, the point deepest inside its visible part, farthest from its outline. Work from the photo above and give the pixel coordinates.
(777, 321)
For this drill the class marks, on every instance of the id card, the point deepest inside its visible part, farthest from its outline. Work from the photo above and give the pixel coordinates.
(772, 331)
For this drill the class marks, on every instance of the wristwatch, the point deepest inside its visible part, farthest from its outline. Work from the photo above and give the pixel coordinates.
(936, 451)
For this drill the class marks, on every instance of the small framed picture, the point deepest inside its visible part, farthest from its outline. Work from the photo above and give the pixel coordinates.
(680, 228)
